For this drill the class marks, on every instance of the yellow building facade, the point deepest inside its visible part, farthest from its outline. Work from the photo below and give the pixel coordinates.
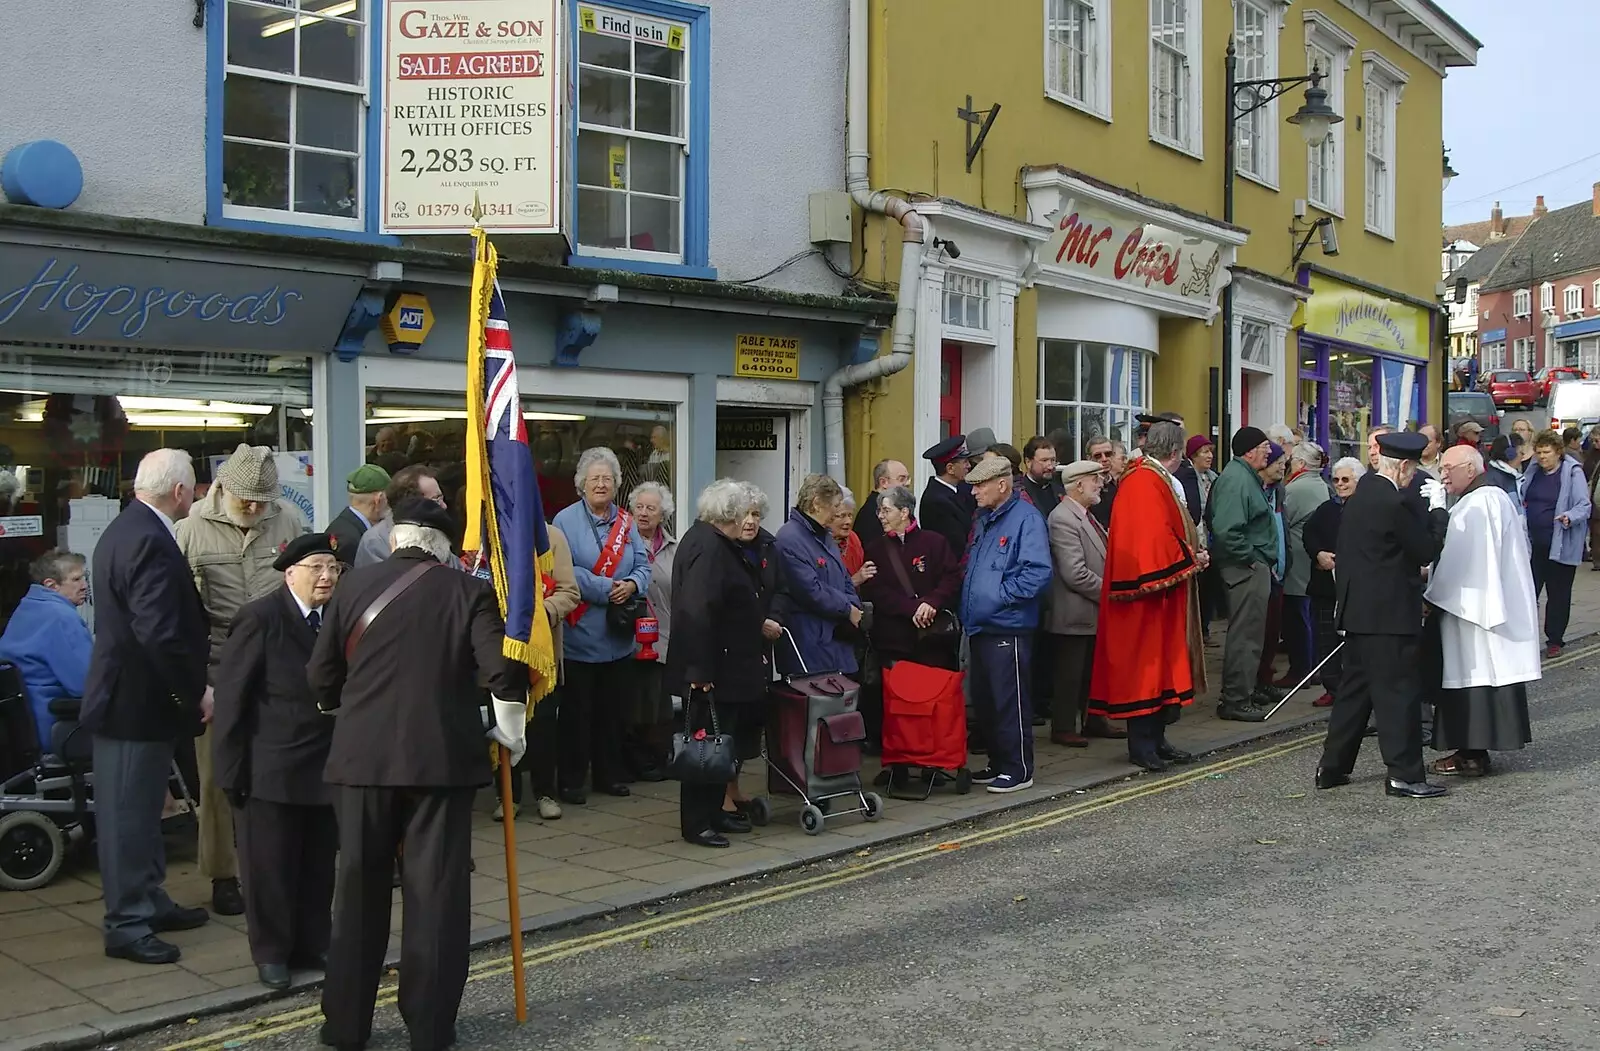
(1075, 256)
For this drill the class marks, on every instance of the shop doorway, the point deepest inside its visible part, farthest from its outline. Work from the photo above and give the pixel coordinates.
(756, 446)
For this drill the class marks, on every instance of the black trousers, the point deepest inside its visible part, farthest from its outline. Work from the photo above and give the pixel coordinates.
(540, 760)
(1382, 681)
(286, 859)
(698, 804)
(436, 827)
(1556, 578)
(591, 719)
(1147, 734)
(1327, 639)
(1074, 666)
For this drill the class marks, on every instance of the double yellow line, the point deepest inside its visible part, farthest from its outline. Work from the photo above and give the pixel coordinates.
(304, 1018)
(1572, 657)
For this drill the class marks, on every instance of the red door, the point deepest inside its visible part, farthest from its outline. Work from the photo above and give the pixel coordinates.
(949, 390)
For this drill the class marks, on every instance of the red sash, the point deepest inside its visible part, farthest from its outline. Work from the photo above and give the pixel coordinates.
(610, 557)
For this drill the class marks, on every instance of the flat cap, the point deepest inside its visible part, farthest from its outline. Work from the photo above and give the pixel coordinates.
(303, 547)
(251, 474)
(420, 511)
(1080, 468)
(952, 448)
(1402, 445)
(368, 478)
(989, 469)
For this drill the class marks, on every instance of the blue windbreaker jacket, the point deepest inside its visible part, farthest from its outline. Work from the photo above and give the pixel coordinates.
(1008, 570)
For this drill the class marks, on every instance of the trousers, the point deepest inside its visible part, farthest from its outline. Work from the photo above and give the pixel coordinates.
(435, 825)
(1248, 591)
(1298, 634)
(130, 785)
(1381, 681)
(1001, 675)
(1270, 633)
(542, 757)
(287, 854)
(1327, 640)
(1556, 579)
(1074, 667)
(591, 719)
(218, 859)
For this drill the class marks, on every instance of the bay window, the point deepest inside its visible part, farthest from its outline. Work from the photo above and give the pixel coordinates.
(1090, 390)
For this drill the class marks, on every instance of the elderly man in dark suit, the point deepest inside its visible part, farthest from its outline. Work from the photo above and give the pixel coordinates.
(947, 505)
(401, 659)
(269, 745)
(145, 689)
(367, 507)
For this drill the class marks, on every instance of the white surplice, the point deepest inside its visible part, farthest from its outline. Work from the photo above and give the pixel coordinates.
(1483, 583)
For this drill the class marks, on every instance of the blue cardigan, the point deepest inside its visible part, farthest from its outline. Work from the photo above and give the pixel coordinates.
(1566, 547)
(589, 641)
(50, 644)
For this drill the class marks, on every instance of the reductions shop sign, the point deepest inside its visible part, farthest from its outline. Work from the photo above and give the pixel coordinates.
(471, 106)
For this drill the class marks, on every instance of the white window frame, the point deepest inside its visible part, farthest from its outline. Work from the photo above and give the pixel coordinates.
(1594, 296)
(1384, 84)
(1189, 114)
(1521, 303)
(681, 141)
(1329, 47)
(1261, 164)
(1096, 98)
(1126, 407)
(1547, 297)
(963, 292)
(1572, 299)
(362, 91)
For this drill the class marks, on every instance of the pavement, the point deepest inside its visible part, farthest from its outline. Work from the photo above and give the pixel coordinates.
(1230, 906)
(57, 989)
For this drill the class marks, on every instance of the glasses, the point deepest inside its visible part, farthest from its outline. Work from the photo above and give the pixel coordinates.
(1104, 454)
(321, 571)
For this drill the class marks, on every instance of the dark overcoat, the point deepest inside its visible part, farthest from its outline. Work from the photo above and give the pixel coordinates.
(1385, 538)
(722, 593)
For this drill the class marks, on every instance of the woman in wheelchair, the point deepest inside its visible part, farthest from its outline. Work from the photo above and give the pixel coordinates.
(46, 638)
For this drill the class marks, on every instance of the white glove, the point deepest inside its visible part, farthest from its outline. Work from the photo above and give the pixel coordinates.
(1434, 492)
(511, 727)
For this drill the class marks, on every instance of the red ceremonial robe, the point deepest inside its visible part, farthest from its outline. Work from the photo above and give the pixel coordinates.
(1147, 652)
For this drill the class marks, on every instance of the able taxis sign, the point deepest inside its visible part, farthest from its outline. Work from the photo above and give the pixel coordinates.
(766, 357)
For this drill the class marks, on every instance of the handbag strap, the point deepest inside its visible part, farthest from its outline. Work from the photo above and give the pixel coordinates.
(899, 568)
(711, 703)
(381, 603)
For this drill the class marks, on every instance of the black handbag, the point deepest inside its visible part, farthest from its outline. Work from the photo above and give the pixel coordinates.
(622, 618)
(701, 758)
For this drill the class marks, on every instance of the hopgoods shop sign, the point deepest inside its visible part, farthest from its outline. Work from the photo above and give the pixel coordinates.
(471, 105)
(1138, 255)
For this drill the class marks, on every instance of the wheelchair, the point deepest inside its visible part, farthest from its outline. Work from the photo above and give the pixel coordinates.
(46, 797)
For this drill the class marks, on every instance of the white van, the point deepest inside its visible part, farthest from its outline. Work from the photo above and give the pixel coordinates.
(1575, 403)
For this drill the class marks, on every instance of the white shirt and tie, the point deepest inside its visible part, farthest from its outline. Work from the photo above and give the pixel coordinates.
(311, 616)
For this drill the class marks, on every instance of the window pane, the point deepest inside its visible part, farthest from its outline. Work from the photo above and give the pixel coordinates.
(261, 37)
(330, 50)
(602, 218)
(1092, 386)
(1092, 424)
(330, 119)
(1059, 380)
(660, 107)
(660, 61)
(602, 160)
(1059, 424)
(603, 98)
(655, 167)
(654, 226)
(255, 176)
(255, 109)
(1119, 426)
(596, 49)
(325, 184)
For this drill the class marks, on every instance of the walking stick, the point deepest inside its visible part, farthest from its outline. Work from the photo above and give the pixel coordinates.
(513, 889)
(1305, 680)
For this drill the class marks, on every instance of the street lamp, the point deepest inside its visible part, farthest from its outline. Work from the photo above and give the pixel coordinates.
(1449, 172)
(1316, 120)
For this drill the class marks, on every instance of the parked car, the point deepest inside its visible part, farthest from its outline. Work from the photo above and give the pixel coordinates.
(1509, 387)
(1549, 377)
(1575, 403)
(1464, 405)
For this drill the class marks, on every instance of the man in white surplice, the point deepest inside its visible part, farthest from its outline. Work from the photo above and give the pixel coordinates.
(1482, 589)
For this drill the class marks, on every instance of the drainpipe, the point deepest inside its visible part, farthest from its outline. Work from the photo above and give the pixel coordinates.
(914, 234)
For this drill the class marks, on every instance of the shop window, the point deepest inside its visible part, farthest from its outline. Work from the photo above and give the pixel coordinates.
(1350, 403)
(1077, 46)
(1384, 83)
(294, 108)
(1174, 87)
(1087, 390)
(966, 302)
(640, 140)
(1255, 36)
(419, 427)
(1328, 51)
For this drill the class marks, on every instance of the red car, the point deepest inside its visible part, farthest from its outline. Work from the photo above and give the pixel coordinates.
(1547, 378)
(1510, 387)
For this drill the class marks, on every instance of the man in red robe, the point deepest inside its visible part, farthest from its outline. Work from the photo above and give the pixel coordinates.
(1148, 660)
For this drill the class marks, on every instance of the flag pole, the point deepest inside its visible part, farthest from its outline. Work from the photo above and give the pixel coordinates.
(508, 814)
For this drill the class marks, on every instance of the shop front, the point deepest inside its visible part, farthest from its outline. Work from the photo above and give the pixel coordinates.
(1578, 345)
(1363, 362)
(112, 347)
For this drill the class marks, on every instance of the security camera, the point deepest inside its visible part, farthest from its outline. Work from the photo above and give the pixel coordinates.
(1330, 238)
(947, 246)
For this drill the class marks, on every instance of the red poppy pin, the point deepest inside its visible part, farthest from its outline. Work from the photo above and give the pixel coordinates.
(1003, 542)
(333, 542)
(822, 563)
(283, 546)
(920, 563)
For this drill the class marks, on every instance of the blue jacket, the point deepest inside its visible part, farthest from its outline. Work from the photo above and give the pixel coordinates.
(821, 595)
(589, 641)
(1566, 547)
(50, 644)
(1008, 570)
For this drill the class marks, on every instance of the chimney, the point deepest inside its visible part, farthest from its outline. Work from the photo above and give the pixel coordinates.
(1538, 206)
(1597, 200)
(1497, 221)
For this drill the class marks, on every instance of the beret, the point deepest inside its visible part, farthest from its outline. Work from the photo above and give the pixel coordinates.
(368, 478)
(303, 547)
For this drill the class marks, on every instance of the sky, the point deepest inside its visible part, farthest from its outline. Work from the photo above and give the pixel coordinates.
(1522, 121)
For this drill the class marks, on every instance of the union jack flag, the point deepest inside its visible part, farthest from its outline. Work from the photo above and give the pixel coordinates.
(504, 513)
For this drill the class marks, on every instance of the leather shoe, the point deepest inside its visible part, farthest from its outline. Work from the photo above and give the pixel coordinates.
(652, 774)
(1174, 755)
(148, 949)
(1070, 740)
(1148, 761)
(1241, 713)
(226, 898)
(180, 919)
(709, 838)
(730, 821)
(574, 796)
(273, 975)
(326, 1038)
(618, 789)
(1331, 778)
(1413, 789)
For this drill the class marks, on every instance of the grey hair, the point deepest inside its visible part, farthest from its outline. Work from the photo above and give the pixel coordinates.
(162, 471)
(661, 492)
(1281, 434)
(729, 500)
(1118, 448)
(899, 497)
(1351, 464)
(55, 564)
(880, 471)
(1164, 441)
(1390, 464)
(848, 497)
(1307, 453)
(817, 489)
(1099, 439)
(427, 538)
(589, 457)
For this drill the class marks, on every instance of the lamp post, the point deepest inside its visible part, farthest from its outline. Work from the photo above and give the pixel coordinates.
(1449, 172)
(1316, 120)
